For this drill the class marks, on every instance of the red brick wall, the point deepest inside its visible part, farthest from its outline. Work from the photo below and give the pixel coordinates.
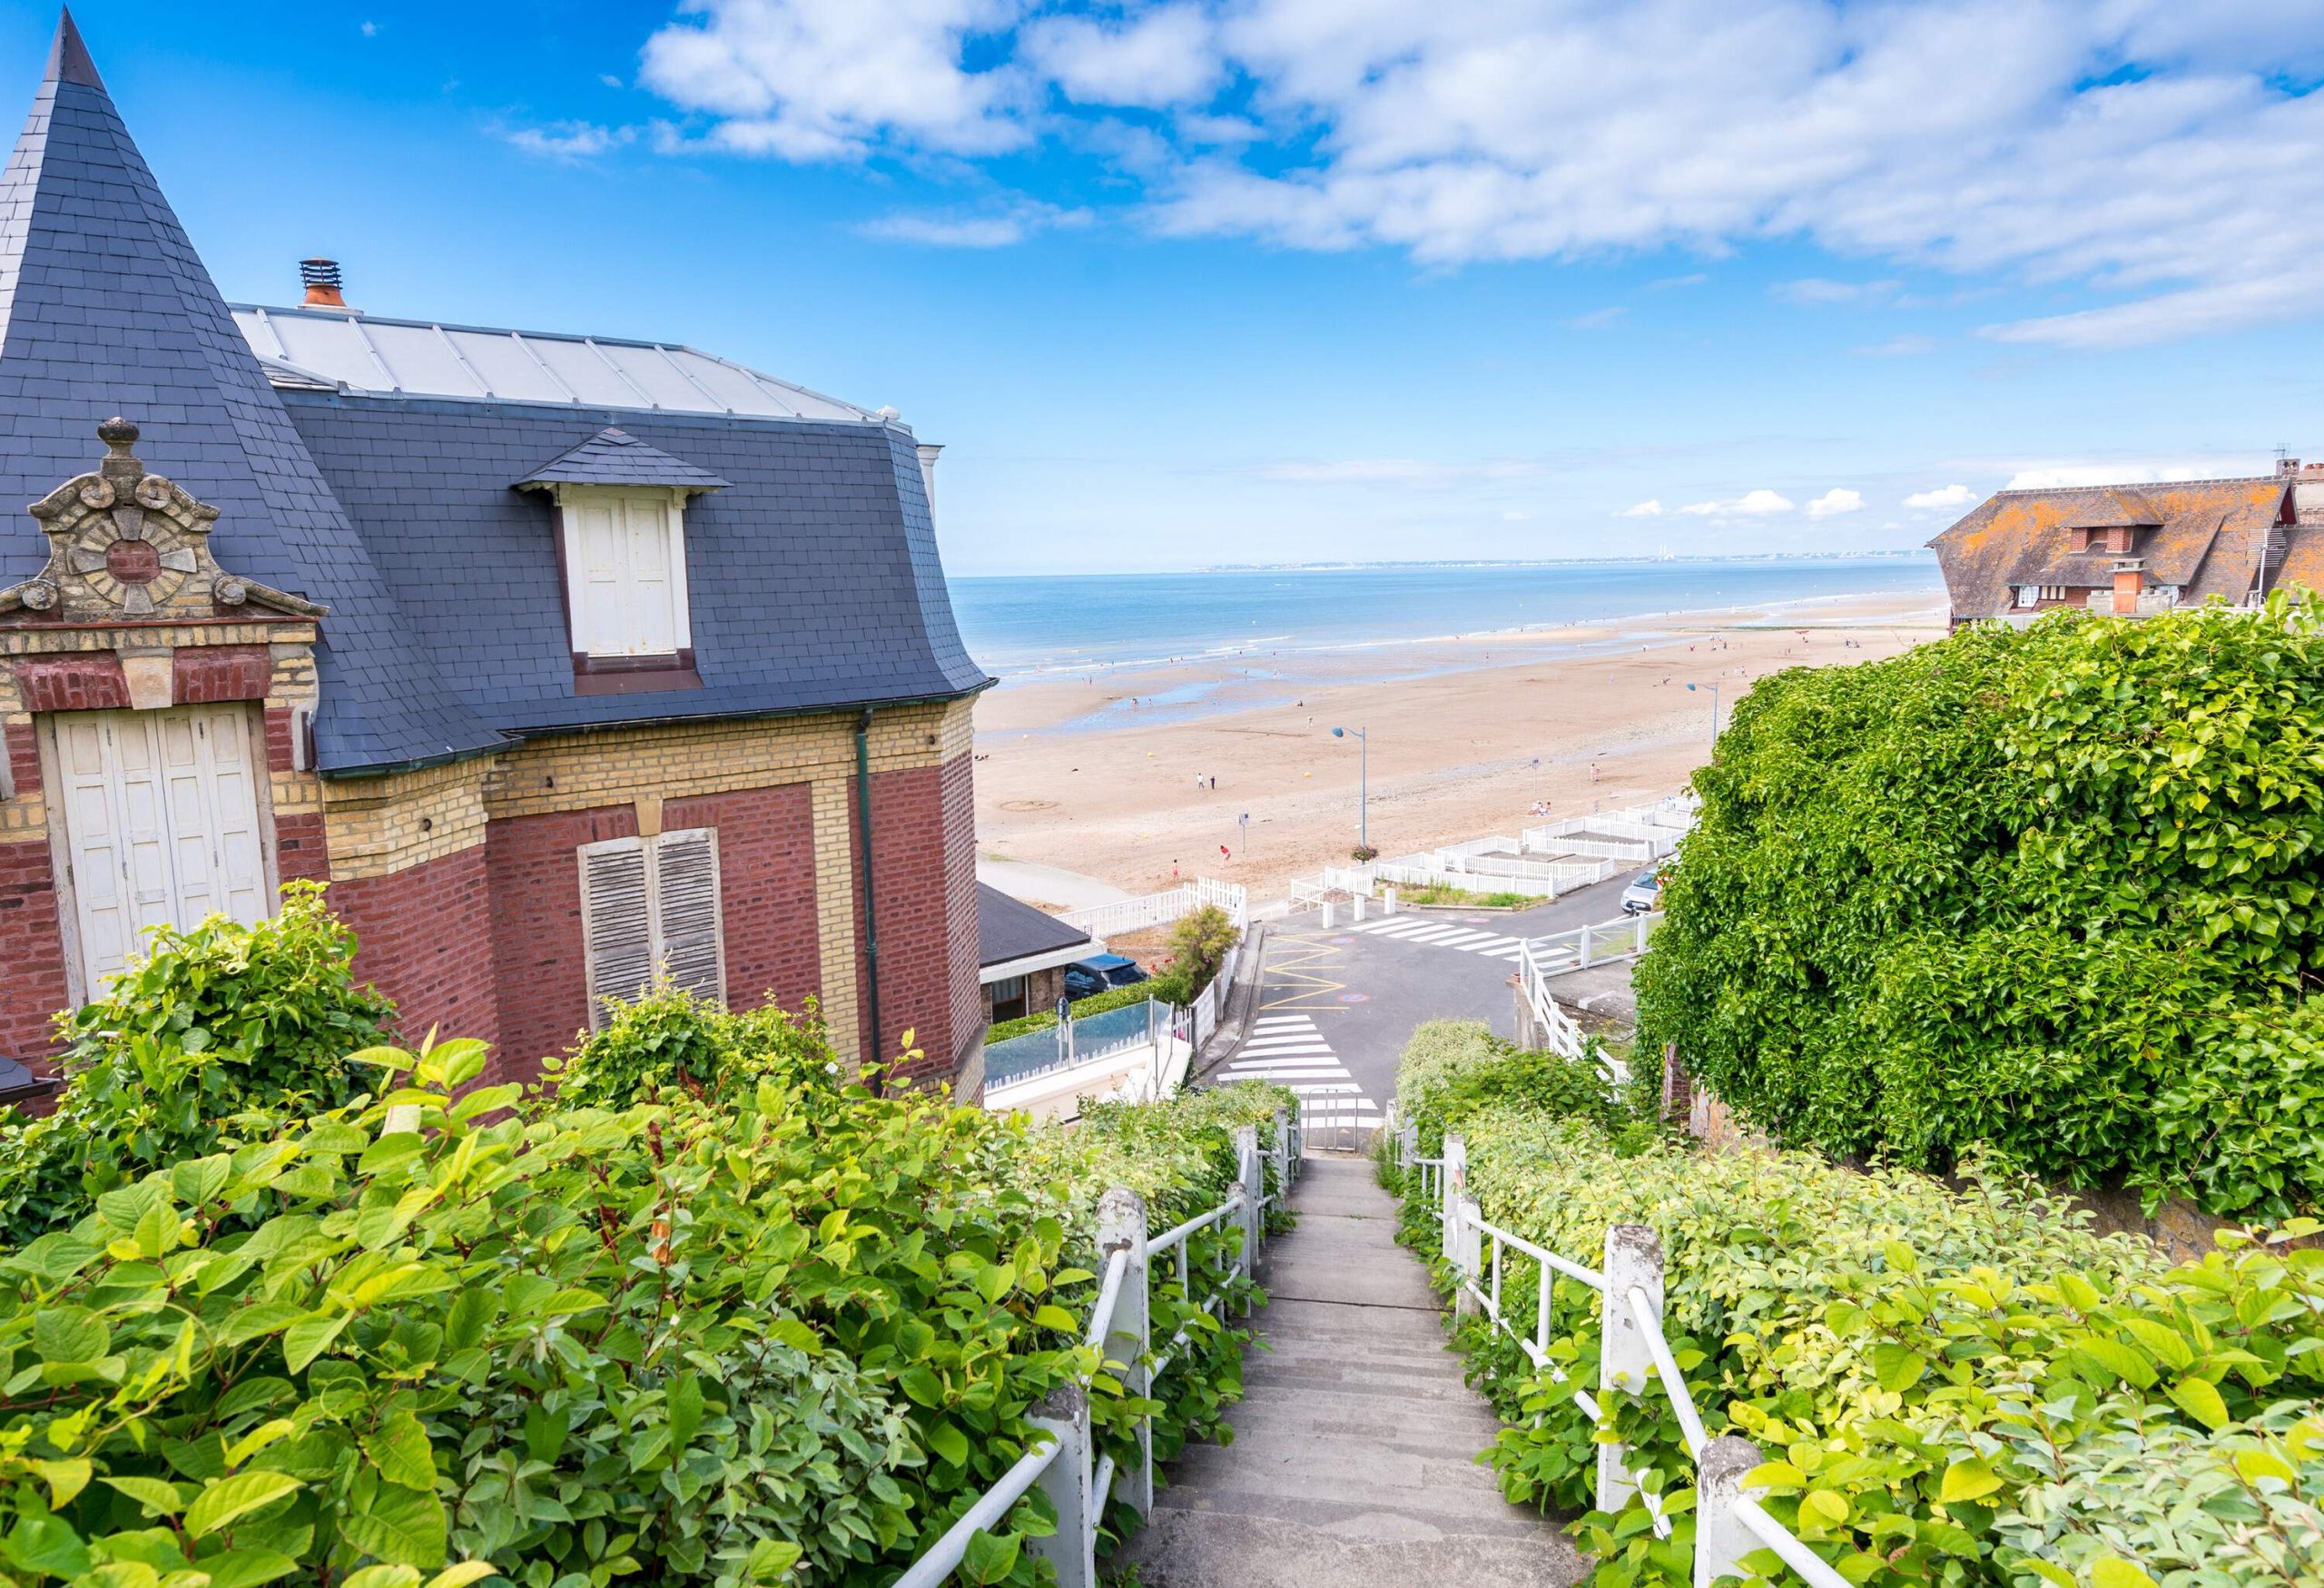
(766, 871)
(535, 894)
(767, 878)
(923, 858)
(32, 948)
(424, 938)
(201, 674)
(73, 683)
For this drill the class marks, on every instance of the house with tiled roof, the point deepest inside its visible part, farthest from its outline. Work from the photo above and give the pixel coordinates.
(564, 660)
(2133, 550)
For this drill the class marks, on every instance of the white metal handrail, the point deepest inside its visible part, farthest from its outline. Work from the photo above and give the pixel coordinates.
(1061, 1458)
(1730, 1519)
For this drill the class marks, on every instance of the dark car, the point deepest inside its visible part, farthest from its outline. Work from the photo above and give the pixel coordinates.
(1087, 978)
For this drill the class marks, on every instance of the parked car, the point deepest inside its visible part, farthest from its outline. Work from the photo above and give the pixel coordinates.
(1087, 978)
(1644, 893)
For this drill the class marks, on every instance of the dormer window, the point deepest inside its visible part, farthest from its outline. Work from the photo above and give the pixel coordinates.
(621, 509)
(625, 553)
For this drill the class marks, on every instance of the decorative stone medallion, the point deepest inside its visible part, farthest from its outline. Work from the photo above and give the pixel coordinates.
(125, 544)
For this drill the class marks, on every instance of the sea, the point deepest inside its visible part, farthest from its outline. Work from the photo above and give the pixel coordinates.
(1028, 627)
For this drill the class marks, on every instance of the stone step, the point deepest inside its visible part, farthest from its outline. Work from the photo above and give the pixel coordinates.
(1216, 1549)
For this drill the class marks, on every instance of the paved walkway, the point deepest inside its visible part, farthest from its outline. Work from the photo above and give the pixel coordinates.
(1352, 1460)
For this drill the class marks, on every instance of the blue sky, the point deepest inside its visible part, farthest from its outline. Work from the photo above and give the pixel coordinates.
(1210, 280)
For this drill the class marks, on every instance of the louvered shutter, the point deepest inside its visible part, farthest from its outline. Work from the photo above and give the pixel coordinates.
(616, 922)
(687, 942)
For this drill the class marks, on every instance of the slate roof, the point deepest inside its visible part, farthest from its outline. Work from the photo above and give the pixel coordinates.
(613, 457)
(813, 577)
(2205, 536)
(108, 311)
(1008, 928)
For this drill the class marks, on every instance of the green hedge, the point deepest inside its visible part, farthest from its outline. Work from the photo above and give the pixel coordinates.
(1960, 1386)
(2051, 892)
(1041, 1019)
(716, 1316)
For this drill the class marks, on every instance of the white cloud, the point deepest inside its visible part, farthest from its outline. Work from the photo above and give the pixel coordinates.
(1166, 57)
(1948, 496)
(1836, 501)
(2163, 157)
(955, 229)
(1650, 508)
(1896, 346)
(570, 140)
(1816, 290)
(816, 80)
(1755, 504)
(2057, 476)
(1598, 318)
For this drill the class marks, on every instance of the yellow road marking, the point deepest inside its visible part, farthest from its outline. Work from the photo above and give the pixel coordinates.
(1303, 989)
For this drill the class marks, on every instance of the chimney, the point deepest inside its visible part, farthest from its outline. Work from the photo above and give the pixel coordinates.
(320, 278)
(2130, 581)
(2286, 468)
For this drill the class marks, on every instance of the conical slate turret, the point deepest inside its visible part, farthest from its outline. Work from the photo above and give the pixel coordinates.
(105, 309)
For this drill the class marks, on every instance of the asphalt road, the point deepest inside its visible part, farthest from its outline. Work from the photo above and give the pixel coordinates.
(1362, 995)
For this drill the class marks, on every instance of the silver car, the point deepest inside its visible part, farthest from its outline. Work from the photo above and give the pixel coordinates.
(1644, 893)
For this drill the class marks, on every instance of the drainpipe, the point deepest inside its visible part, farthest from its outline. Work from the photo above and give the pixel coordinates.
(870, 922)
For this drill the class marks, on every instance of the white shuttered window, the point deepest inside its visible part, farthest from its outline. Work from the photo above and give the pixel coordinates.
(650, 906)
(625, 571)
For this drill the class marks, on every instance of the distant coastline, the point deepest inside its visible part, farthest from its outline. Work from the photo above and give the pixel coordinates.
(1910, 554)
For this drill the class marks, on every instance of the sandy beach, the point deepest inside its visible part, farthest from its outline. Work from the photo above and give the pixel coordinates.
(1073, 775)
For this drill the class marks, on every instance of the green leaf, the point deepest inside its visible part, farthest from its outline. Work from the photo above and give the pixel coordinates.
(988, 1559)
(69, 1334)
(157, 1497)
(245, 1568)
(2199, 1399)
(2114, 1360)
(46, 1544)
(399, 1448)
(304, 1341)
(2114, 1572)
(1049, 1316)
(64, 1479)
(771, 1560)
(403, 1526)
(1896, 1368)
(949, 1442)
(235, 1495)
(1967, 1480)
(685, 1410)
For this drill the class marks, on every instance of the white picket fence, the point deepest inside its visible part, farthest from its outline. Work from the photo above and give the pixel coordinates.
(1601, 943)
(1634, 1359)
(1063, 1460)
(1554, 1030)
(1161, 908)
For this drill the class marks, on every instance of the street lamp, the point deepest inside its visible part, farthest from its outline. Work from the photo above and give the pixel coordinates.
(1362, 783)
(1714, 713)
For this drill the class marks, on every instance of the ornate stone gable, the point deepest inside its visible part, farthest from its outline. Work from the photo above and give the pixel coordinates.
(125, 545)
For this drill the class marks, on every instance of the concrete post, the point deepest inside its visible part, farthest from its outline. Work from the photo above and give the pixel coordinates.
(1072, 1549)
(1355, 908)
(1633, 1262)
(1121, 1227)
(1387, 901)
(1470, 1257)
(1328, 915)
(1282, 1153)
(1721, 1540)
(1254, 1187)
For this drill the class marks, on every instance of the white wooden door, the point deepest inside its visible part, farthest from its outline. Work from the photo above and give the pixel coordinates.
(162, 825)
(628, 589)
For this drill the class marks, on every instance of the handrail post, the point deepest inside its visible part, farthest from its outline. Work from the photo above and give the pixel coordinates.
(1072, 1549)
(1721, 1540)
(1121, 1227)
(1633, 1262)
(1282, 1154)
(1470, 1260)
(1453, 1184)
(1253, 1175)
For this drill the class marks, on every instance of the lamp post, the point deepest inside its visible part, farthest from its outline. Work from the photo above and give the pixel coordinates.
(1244, 820)
(1362, 783)
(1714, 713)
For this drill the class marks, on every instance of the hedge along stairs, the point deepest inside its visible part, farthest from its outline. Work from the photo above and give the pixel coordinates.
(1353, 1460)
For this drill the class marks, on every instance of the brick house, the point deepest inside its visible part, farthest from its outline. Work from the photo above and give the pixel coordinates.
(2135, 550)
(560, 658)
(1024, 952)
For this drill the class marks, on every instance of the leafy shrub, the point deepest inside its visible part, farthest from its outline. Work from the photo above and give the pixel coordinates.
(1041, 1019)
(1199, 945)
(2048, 891)
(1953, 1386)
(671, 1040)
(764, 1323)
(211, 1022)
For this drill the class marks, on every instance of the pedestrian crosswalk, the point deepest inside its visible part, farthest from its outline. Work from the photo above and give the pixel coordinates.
(1289, 1050)
(1427, 929)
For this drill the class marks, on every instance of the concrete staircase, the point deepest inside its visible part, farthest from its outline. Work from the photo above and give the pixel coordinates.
(1352, 1461)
